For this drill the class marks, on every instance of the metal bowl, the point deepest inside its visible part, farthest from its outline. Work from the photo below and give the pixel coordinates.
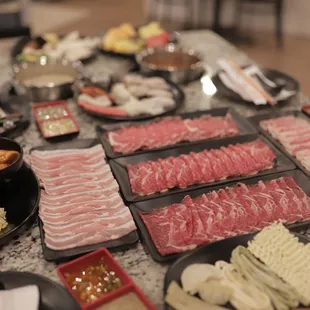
(50, 91)
(179, 64)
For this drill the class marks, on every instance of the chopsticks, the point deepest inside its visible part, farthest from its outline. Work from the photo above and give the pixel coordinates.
(248, 80)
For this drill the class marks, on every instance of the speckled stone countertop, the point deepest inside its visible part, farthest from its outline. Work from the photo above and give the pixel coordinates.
(25, 254)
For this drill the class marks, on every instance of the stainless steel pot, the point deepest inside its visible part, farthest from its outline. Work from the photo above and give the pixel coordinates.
(51, 91)
(176, 63)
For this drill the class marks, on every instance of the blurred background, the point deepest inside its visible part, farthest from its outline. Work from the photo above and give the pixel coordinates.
(275, 33)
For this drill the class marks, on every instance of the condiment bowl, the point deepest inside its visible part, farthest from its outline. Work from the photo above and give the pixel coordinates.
(179, 64)
(7, 174)
(101, 255)
(52, 90)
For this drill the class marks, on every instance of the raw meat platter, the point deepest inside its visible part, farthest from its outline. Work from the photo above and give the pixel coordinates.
(56, 250)
(210, 254)
(131, 191)
(155, 205)
(243, 125)
(297, 143)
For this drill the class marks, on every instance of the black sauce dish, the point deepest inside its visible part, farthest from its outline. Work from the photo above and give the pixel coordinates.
(7, 174)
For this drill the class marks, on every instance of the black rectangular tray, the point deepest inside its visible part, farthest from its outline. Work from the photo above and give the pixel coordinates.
(119, 169)
(255, 120)
(120, 244)
(244, 126)
(146, 206)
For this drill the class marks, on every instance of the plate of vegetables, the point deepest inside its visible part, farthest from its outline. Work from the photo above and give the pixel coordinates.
(127, 40)
(72, 47)
(245, 272)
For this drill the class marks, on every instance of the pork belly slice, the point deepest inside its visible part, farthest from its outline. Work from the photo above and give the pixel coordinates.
(96, 234)
(110, 202)
(83, 213)
(46, 167)
(278, 122)
(59, 154)
(71, 170)
(67, 161)
(93, 222)
(76, 197)
(105, 185)
(78, 178)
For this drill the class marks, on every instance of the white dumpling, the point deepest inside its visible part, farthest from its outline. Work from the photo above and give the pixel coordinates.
(159, 93)
(133, 79)
(133, 109)
(159, 101)
(214, 292)
(120, 93)
(156, 82)
(138, 90)
(195, 274)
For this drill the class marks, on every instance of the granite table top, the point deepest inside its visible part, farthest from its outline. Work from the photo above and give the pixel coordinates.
(25, 254)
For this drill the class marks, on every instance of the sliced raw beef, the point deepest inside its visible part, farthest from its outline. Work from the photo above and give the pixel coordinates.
(170, 131)
(205, 166)
(169, 171)
(160, 177)
(196, 168)
(184, 178)
(146, 183)
(228, 212)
